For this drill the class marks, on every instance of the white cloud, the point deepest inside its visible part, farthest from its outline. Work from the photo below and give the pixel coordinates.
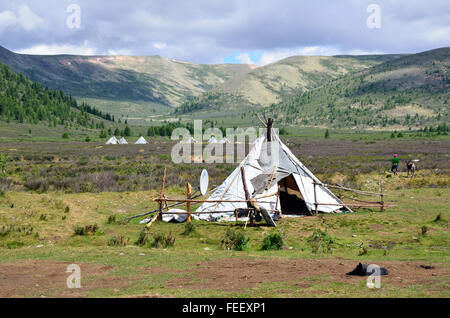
(7, 19)
(119, 52)
(245, 58)
(55, 49)
(278, 54)
(159, 45)
(29, 20)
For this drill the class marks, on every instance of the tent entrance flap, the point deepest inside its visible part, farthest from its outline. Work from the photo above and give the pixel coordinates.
(291, 200)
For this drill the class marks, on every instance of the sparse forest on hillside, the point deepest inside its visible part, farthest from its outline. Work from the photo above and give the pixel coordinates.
(23, 101)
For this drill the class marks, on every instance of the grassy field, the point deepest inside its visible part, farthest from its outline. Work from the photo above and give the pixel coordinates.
(90, 184)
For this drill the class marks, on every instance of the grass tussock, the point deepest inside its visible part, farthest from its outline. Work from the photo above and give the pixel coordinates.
(273, 241)
(87, 230)
(320, 241)
(235, 239)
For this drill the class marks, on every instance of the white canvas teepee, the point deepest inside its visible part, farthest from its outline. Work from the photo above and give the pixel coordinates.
(224, 140)
(112, 141)
(212, 140)
(270, 167)
(123, 141)
(190, 140)
(141, 141)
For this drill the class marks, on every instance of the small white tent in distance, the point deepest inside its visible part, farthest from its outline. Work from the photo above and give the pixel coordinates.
(212, 140)
(123, 141)
(224, 140)
(141, 141)
(112, 141)
(190, 140)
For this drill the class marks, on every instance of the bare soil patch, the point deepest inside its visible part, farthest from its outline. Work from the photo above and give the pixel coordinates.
(49, 279)
(235, 274)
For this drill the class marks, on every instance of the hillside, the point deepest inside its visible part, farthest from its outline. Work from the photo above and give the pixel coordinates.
(27, 104)
(279, 81)
(411, 91)
(140, 86)
(149, 80)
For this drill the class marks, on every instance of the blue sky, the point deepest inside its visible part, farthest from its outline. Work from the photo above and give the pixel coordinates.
(233, 31)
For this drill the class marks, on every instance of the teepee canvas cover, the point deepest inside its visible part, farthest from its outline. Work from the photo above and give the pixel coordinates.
(212, 140)
(123, 141)
(112, 141)
(224, 141)
(190, 140)
(270, 167)
(141, 141)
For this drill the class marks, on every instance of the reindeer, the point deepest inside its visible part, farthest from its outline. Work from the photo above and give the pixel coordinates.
(411, 167)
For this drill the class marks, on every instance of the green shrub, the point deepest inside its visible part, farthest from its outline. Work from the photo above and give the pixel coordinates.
(235, 239)
(86, 230)
(320, 241)
(424, 230)
(65, 135)
(163, 240)
(118, 240)
(189, 228)
(142, 239)
(111, 219)
(67, 209)
(273, 241)
(87, 139)
(14, 244)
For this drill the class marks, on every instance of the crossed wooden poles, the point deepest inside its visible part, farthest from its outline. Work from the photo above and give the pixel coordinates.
(252, 203)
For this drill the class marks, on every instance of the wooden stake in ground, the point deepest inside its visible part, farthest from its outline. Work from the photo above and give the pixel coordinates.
(159, 217)
(188, 204)
(315, 199)
(382, 209)
(247, 195)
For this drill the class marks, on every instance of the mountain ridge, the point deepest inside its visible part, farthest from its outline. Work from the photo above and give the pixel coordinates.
(154, 81)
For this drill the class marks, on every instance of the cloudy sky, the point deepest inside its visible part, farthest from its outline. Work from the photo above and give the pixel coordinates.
(233, 31)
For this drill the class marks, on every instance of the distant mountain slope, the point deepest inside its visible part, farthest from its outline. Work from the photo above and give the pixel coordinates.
(25, 101)
(132, 84)
(411, 90)
(279, 81)
(122, 78)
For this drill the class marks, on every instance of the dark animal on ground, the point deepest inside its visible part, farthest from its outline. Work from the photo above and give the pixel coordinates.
(361, 270)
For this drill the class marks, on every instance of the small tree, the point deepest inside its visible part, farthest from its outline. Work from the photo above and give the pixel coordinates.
(65, 135)
(327, 134)
(102, 133)
(87, 139)
(127, 131)
(4, 160)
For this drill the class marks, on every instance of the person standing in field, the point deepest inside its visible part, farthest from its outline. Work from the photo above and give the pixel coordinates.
(395, 162)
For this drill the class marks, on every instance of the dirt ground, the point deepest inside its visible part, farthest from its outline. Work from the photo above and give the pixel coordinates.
(237, 274)
(37, 278)
(48, 279)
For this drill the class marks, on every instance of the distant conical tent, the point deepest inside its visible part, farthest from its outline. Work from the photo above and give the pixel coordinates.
(190, 140)
(212, 140)
(112, 141)
(123, 141)
(224, 140)
(271, 168)
(141, 141)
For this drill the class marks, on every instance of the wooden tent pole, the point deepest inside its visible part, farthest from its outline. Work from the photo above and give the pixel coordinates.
(162, 196)
(315, 200)
(269, 129)
(188, 203)
(382, 209)
(247, 195)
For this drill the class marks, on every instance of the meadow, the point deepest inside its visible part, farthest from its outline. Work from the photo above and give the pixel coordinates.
(63, 203)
